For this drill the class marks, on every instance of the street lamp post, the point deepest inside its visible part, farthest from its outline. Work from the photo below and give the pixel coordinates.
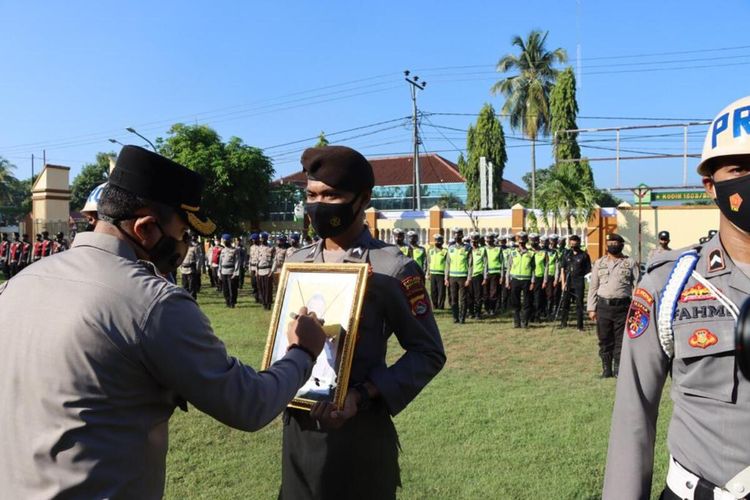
(134, 131)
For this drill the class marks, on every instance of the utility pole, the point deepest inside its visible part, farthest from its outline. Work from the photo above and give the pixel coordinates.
(414, 85)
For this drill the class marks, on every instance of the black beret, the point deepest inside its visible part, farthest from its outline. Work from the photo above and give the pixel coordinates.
(338, 166)
(615, 237)
(159, 179)
(664, 235)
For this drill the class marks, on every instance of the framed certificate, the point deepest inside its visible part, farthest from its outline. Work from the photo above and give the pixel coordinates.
(335, 293)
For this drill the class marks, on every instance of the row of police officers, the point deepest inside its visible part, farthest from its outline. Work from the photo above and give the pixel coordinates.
(17, 252)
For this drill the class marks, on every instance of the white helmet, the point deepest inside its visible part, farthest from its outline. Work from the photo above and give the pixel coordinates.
(92, 202)
(728, 134)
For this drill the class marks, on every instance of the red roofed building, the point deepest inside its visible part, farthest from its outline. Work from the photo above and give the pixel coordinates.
(394, 182)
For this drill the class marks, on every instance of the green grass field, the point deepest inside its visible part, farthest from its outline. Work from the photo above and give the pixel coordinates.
(514, 414)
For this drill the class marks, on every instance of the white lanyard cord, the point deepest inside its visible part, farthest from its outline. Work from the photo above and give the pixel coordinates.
(731, 306)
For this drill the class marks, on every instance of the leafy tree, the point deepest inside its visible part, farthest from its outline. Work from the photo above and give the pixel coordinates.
(487, 139)
(237, 176)
(470, 175)
(564, 110)
(91, 175)
(6, 175)
(322, 140)
(450, 201)
(566, 195)
(527, 92)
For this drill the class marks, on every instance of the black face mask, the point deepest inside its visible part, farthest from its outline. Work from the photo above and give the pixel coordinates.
(164, 255)
(331, 219)
(89, 227)
(615, 249)
(733, 199)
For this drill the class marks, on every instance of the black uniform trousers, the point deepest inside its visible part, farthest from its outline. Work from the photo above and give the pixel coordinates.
(211, 276)
(553, 297)
(6, 270)
(610, 326)
(504, 295)
(539, 294)
(191, 282)
(15, 268)
(230, 286)
(574, 292)
(520, 302)
(242, 277)
(254, 285)
(265, 290)
(492, 292)
(357, 461)
(457, 297)
(437, 291)
(476, 296)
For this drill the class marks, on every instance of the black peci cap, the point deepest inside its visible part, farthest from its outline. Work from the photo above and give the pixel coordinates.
(338, 166)
(159, 179)
(663, 235)
(615, 237)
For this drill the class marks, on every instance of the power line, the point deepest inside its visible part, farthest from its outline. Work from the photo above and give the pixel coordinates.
(335, 133)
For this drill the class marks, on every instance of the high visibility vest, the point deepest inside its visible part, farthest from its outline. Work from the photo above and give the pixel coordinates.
(523, 264)
(552, 258)
(437, 260)
(404, 249)
(506, 257)
(478, 256)
(494, 260)
(539, 263)
(459, 262)
(418, 254)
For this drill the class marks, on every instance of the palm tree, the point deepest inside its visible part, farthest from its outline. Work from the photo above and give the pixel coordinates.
(567, 195)
(5, 178)
(527, 93)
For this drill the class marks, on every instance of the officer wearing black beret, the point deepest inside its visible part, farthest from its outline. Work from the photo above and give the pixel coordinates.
(663, 245)
(352, 452)
(89, 401)
(613, 277)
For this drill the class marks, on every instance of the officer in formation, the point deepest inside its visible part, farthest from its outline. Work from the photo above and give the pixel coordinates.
(576, 264)
(60, 244)
(539, 290)
(215, 268)
(239, 244)
(399, 239)
(493, 283)
(252, 263)
(613, 278)
(230, 262)
(4, 253)
(506, 244)
(279, 258)
(663, 245)
(294, 244)
(120, 364)
(352, 452)
(457, 266)
(37, 248)
(478, 277)
(681, 325)
(47, 244)
(264, 271)
(437, 256)
(190, 269)
(553, 288)
(416, 251)
(521, 280)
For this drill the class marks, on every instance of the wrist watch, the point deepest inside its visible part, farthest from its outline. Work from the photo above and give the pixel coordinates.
(364, 397)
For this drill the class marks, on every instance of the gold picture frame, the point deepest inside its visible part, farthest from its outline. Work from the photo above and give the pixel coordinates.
(336, 293)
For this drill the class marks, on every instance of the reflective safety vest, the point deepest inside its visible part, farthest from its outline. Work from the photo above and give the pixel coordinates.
(459, 267)
(540, 263)
(506, 257)
(404, 249)
(523, 264)
(418, 254)
(437, 260)
(478, 256)
(494, 260)
(552, 258)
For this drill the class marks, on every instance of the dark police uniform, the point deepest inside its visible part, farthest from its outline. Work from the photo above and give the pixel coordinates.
(189, 269)
(686, 331)
(610, 290)
(575, 266)
(360, 459)
(4, 252)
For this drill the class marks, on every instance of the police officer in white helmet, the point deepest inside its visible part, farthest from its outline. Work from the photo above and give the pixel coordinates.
(681, 323)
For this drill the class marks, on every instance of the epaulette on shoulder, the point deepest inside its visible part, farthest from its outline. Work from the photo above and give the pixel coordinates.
(671, 256)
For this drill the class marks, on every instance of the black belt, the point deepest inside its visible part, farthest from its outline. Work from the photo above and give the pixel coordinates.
(616, 302)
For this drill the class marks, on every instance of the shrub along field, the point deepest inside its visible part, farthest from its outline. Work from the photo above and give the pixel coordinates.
(514, 414)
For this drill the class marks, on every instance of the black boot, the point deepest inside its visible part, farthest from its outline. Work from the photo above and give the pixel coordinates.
(454, 309)
(606, 366)
(616, 367)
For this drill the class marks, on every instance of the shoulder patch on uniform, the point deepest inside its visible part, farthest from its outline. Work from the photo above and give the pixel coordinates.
(716, 260)
(642, 293)
(413, 287)
(702, 338)
(638, 319)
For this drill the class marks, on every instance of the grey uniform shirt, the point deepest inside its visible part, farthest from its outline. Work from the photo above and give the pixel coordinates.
(265, 262)
(230, 261)
(190, 264)
(395, 303)
(710, 427)
(611, 278)
(84, 404)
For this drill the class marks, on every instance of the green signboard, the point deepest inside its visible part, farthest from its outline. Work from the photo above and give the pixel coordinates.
(680, 196)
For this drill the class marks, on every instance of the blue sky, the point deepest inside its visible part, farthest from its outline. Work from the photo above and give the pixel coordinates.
(75, 73)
